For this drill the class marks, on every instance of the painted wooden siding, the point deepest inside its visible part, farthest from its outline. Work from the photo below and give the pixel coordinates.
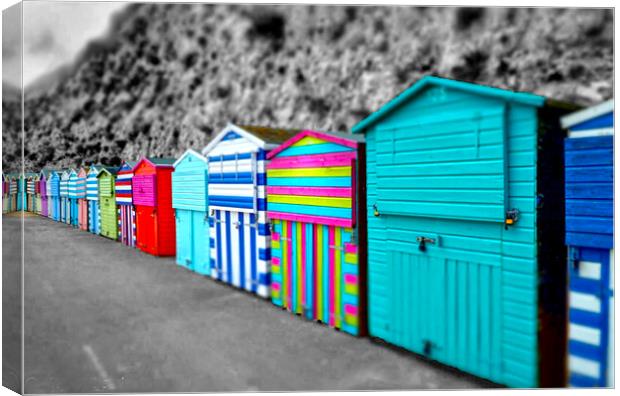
(144, 190)
(234, 175)
(192, 233)
(123, 186)
(239, 234)
(127, 224)
(64, 185)
(30, 186)
(189, 184)
(55, 185)
(590, 303)
(315, 272)
(108, 221)
(44, 202)
(240, 250)
(106, 186)
(93, 216)
(166, 230)
(92, 185)
(108, 217)
(80, 184)
(314, 266)
(317, 187)
(482, 260)
(589, 191)
(83, 214)
(72, 186)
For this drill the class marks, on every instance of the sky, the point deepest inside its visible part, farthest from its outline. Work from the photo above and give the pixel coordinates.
(54, 33)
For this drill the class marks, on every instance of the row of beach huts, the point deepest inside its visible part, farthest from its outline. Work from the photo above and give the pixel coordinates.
(469, 224)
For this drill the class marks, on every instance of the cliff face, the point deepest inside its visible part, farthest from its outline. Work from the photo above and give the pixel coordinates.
(168, 76)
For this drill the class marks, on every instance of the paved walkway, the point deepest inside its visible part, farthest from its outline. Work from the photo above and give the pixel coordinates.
(102, 317)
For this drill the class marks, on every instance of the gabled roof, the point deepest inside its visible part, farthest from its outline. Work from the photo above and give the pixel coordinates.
(163, 162)
(190, 152)
(344, 139)
(420, 85)
(48, 172)
(94, 168)
(127, 167)
(130, 164)
(112, 170)
(587, 114)
(270, 135)
(264, 137)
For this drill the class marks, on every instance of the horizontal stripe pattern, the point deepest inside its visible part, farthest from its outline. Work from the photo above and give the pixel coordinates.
(64, 185)
(80, 187)
(72, 186)
(92, 189)
(322, 194)
(588, 328)
(123, 187)
(235, 180)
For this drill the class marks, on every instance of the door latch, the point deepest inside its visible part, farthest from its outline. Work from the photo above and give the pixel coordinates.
(512, 216)
(422, 241)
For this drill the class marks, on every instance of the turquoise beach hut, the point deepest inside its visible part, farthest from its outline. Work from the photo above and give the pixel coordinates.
(465, 229)
(189, 200)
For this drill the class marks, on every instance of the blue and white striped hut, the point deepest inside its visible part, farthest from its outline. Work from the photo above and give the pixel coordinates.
(238, 229)
(53, 193)
(92, 196)
(72, 193)
(65, 205)
(589, 178)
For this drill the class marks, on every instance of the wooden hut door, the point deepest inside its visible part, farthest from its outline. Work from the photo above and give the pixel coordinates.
(590, 291)
(446, 309)
(415, 311)
(146, 239)
(200, 245)
(184, 236)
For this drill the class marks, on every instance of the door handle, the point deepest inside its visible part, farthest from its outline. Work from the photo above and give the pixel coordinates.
(422, 241)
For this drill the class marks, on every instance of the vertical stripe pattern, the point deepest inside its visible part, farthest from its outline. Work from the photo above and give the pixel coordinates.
(315, 273)
(311, 203)
(239, 233)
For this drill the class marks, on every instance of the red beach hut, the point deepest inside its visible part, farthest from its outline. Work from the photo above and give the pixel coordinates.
(152, 197)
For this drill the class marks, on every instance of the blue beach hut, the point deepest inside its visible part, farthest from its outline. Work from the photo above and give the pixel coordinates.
(53, 185)
(589, 151)
(239, 232)
(465, 222)
(65, 206)
(92, 196)
(72, 194)
(189, 200)
(21, 192)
